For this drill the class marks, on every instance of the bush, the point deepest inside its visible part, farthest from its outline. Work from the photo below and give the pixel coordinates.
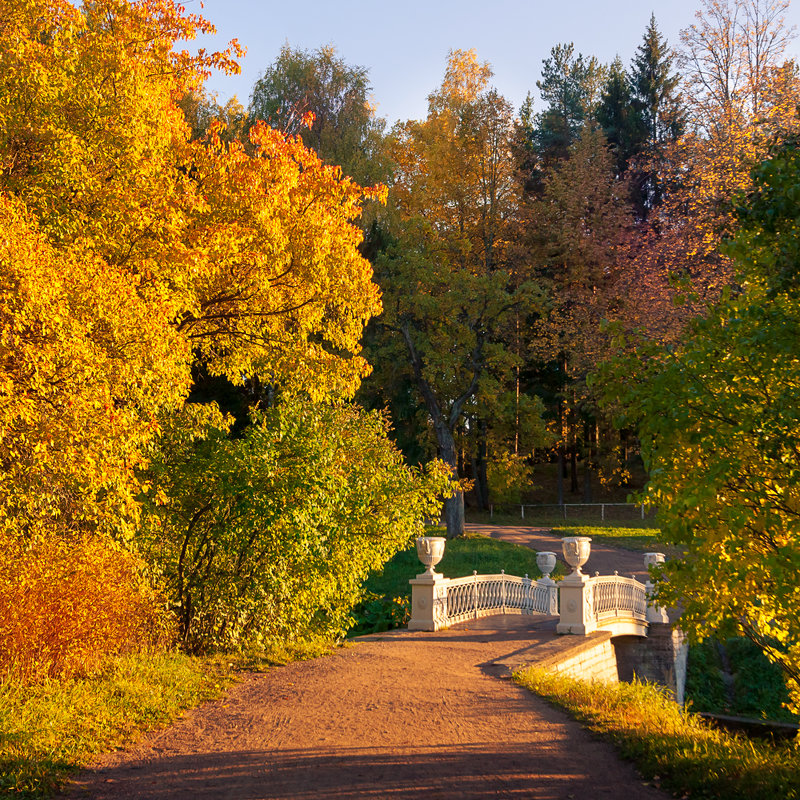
(66, 606)
(271, 535)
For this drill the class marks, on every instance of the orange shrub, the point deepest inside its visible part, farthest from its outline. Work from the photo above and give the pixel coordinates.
(65, 606)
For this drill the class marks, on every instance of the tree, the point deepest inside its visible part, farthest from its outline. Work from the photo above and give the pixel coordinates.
(654, 95)
(270, 535)
(570, 87)
(719, 424)
(654, 87)
(578, 236)
(736, 104)
(202, 110)
(345, 130)
(616, 114)
(449, 284)
(191, 250)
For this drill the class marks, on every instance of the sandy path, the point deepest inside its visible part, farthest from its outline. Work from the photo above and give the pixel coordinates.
(603, 558)
(400, 715)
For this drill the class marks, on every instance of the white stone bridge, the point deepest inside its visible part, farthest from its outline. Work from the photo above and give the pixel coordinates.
(583, 604)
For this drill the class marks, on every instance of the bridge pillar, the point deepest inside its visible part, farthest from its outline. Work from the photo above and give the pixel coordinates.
(575, 605)
(428, 602)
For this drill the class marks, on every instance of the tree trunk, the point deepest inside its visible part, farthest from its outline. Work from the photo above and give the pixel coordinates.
(588, 465)
(481, 479)
(573, 470)
(453, 506)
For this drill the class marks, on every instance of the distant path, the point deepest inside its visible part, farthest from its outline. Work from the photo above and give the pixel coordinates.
(400, 715)
(603, 559)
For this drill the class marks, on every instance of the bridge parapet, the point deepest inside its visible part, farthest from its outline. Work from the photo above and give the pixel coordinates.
(583, 604)
(440, 602)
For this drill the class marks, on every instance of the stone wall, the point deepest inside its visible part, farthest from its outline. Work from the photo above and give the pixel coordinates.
(589, 657)
(659, 658)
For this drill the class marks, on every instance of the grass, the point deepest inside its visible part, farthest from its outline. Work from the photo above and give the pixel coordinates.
(643, 539)
(632, 534)
(673, 749)
(52, 728)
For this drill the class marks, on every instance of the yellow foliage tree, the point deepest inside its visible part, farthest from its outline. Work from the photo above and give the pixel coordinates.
(129, 251)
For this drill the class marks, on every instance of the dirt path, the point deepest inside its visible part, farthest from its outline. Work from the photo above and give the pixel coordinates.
(400, 715)
(603, 559)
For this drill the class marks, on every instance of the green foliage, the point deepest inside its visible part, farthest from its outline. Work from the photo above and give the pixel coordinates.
(270, 535)
(735, 677)
(719, 419)
(451, 288)
(671, 748)
(377, 613)
(570, 87)
(509, 476)
(345, 130)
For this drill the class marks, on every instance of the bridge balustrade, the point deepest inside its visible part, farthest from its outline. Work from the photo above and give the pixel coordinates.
(583, 604)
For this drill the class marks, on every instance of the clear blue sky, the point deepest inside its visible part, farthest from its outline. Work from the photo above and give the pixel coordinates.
(404, 44)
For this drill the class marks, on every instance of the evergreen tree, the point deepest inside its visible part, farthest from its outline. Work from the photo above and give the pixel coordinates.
(570, 86)
(616, 114)
(655, 104)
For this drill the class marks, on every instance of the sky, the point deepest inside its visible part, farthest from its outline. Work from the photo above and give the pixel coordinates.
(405, 44)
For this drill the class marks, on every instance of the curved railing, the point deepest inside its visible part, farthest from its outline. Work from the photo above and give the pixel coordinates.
(582, 604)
(462, 599)
(612, 596)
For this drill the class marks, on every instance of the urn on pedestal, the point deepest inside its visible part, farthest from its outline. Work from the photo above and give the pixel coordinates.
(430, 551)
(576, 551)
(546, 561)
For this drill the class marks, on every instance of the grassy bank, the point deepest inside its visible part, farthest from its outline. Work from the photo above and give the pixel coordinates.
(52, 728)
(673, 749)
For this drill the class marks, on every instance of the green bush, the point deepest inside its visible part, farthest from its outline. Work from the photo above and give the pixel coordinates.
(270, 536)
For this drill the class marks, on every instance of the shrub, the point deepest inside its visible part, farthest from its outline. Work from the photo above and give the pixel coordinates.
(272, 534)
(66, 606)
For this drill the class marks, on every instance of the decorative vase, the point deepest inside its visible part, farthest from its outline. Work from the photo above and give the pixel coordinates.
(651, 559)
(576, 551)
(430, 550)
(546, 561)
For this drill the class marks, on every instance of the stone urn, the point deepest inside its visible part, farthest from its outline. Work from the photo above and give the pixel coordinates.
(651, 559)
(546, 561)
(576, 551)
(430, 550)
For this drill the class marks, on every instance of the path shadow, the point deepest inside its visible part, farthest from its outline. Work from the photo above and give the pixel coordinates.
(463, 773)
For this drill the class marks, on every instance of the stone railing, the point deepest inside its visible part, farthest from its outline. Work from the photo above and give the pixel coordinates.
(583, 604)
(444, 602)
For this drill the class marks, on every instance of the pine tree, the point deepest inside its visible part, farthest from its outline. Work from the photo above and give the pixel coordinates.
(616, 114)
(656, 107)
(570, 86)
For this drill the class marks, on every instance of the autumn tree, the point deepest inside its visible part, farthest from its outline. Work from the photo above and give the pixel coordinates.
(132, 252)
(739, 95)
(577, 238)
(450, 286)
(718, 419)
